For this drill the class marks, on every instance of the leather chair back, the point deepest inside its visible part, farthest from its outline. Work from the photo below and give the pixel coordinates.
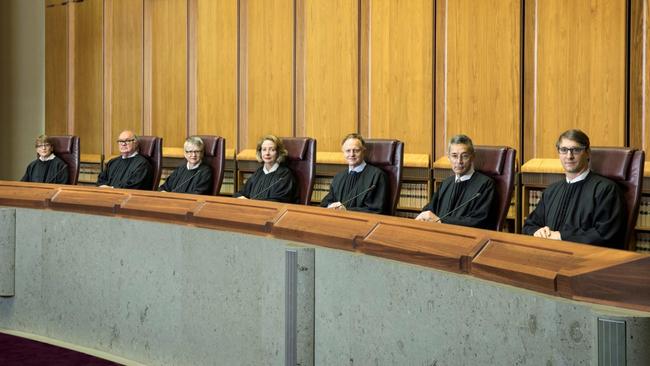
(151, 148)
(214, 154)
(498, 163)
(625, 167)
(302, 162)
(67, 148)
(388, 155)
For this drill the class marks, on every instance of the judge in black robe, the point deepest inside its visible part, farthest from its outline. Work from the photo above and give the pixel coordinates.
(130, 169)
(47, 168)
(361, 187)
(477, 193)
(193, 176)
(273, 181)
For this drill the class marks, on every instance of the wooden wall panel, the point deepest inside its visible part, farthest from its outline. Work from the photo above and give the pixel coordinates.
(397, 88)
(328, 85)
(56, 68)
(478, 72)
(266, 85)
(87, 74)
(578, 77)
(213, 78)
(639, 75)
(123, 81)
(166, 70)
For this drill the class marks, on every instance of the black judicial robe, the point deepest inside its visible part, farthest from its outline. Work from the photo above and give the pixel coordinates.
(133, 173)
(479, 212)
(51, 171)
(281, 182)
(346, 185)
(591, 211)
(195, 181)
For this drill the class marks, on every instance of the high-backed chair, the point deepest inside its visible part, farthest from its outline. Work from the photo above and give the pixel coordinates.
(214, 154)
(302, 162)
(498, 163)
(625, 167)
(67, 148)
(388, 155)
(151, 148)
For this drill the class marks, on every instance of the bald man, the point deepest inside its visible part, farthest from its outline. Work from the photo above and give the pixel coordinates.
(130, 169)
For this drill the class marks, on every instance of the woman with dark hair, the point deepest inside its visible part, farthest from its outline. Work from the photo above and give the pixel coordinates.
(47, 168)
(273, 181)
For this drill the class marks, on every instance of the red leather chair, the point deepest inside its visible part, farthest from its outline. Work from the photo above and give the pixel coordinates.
(67, 148)
(214, 154)
(498, 163)
(302, 162)
(625, 167)
(151, 148)
(388, 155)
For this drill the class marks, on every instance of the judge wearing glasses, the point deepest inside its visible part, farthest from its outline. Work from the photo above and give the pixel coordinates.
(194, 176)
(130, 169)
(467, 197)
(584, 207)
(47, 168)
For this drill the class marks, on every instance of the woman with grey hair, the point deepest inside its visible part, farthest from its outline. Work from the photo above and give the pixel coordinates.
(47, 168)
(273, 181)
(194, 176)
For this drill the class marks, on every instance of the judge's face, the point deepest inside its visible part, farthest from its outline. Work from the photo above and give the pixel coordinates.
(574, 157)
(127, 143)
(193, 154)
(269, 152)
(44, 149)
(461, 158)
(353, 152)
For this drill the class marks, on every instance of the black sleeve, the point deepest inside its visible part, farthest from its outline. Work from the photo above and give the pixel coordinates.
(246, 191)
(375, 201)
(28, 173)
(60, 174)
(170, 182)
(331, 196)
(138, 175)
(203, 182)
(480, 213)
(284, 190)
(537, 219)
(102, 177)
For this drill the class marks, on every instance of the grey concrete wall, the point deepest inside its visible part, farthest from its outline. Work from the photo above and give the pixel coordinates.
(7, 251)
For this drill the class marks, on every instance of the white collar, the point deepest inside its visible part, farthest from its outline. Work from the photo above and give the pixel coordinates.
(273, 168)
(577, 179)
(196, 166)
(50, 157)
(359, 168)
(130, 156)
(466, 176)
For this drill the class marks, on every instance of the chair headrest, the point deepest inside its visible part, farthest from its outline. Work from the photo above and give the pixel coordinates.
(380, 152)
(62, 144)
(612, 163)
(210, 145)
(146, 145)
(489, 160)
(296, 147)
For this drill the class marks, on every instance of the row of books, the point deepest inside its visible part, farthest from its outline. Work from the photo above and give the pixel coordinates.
(643, 242)
(321, 188)
(88, 173)
(414, 195)
(644, 213)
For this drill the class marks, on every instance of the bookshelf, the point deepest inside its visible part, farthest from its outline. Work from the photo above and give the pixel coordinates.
(175, 156)
(90, 165)
(643, 222)
(442, 170)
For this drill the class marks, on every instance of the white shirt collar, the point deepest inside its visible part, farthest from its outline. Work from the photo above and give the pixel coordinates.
(130, 156)
(359, 168)
(196, 166)
(579, 178)
(466, 176)
(273, 168)
(50, 157)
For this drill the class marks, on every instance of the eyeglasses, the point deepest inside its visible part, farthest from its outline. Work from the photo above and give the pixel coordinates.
(124, 142)
(463, 157)
(43, 145)
(574, 150)
(193, 152)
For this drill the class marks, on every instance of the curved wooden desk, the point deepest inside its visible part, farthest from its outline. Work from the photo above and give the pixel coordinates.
(574, 271)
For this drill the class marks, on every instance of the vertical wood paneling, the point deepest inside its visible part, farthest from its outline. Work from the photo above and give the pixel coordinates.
(214, 78)
(639, 75)
(478, 63)
(267, 93)
(88, 74)
(580, 65)
(400, 70)
(123, 70)
(56, 68)
(330, 71)
(166, 58)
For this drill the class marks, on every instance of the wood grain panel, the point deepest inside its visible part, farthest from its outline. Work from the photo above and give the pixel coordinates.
(123, 79)
(400, 73)
(56, 69)
(213, 78)
(267, 90)
(166, 43)
(579, 73)
(88, 74)
(330, 60)
(639, 75)
(478, 66)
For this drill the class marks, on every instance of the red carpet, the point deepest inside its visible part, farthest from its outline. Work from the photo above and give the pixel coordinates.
(17, 351)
